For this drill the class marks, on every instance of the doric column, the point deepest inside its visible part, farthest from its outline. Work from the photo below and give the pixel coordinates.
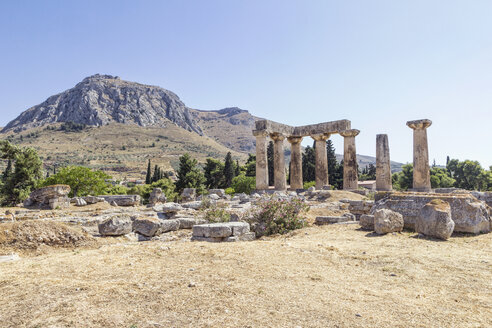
(295, 163)
(421, 170)
(383, 165)
(279, 161)
(261, 160)
(321, 169)
(350, 170)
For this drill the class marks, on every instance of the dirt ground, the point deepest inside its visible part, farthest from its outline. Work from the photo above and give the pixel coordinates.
(329, 276)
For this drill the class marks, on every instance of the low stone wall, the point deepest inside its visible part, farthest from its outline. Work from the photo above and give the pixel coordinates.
(227, 231)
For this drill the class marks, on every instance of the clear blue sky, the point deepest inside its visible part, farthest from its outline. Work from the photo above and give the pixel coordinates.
(376, 63)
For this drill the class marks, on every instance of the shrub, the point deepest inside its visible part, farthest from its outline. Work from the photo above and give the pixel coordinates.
(277, 216)
(217, 214)
(82, 180)
(309, 184)
(229, 191)
(144, 191)
(244, 184)
(117, 190)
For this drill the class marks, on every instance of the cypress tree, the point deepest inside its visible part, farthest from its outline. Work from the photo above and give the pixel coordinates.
(8, 171)
(270, 163)
(148, 176)
(308, 164)
(155, 177)
(237, 169)
(332, 162)
(228, 170)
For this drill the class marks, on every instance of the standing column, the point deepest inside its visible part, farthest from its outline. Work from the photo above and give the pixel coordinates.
(279, 161)
(295, 163)
(350, 169)
(321, 169)
(383, 165)
(421, 170)
(261, 160)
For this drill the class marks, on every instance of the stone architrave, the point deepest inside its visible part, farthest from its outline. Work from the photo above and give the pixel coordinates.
(421, 170)
(279, 175)
(261, 160)
(383, 164)
(295, 163)
(321, 168)
(350, 171)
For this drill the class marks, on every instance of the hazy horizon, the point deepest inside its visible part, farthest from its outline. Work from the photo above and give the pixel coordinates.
(378, 64)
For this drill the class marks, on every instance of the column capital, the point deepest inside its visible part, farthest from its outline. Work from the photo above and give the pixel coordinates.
(419, 124)
(349, 133)
(260, 133)
(294, 140)
(277, 136)
(321, 136)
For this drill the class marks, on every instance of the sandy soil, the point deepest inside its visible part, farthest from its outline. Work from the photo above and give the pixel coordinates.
(329, 276)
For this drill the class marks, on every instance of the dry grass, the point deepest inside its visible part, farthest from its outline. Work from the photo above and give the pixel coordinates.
(330, 276)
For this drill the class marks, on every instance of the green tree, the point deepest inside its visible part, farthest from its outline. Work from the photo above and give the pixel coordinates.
(468, 174)
(8, 171)
(144, 191)
(271, 181)
(26, 173)
(250, 166)
(228, 170)
(440, 178)
(214, 173)
(244, 184)
(237, 169)
(308, 164)
(148, 176)
(82, 180)
(332, 161)
(403, 180)
(189, 174)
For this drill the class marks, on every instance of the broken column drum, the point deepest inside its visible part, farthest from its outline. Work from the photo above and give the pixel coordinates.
(383, 164)
(350, 169)
(421, 170)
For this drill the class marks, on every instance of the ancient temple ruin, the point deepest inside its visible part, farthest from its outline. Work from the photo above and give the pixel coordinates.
(278, 132)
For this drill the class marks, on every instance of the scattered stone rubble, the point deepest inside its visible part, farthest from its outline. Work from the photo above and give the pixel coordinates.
(218, 232)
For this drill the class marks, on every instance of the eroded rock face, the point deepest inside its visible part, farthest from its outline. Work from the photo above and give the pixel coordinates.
(469, 214)
(434, 220)
(366, 222)
(52, 196)
(386, 221)
(188, 194)
(117, 225)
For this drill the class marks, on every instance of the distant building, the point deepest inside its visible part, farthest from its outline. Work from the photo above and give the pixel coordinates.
(368, 184)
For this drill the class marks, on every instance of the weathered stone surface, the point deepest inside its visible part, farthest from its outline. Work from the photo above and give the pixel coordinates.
(80, 201)
(350, 168)
(421, 170)
(468, 213)
(147, 226)
(321, 163)
(279, 175)
(169, 225)
(93, 199)
(52, 196)
(193, 205)
(188, 223)
(386, 221)
(360, 207)
(249, 236)
(295, 163)
(157, 197)
(214, 197)
(383, 164)
(123, 200)
(219, 192)
(485, 196)
(366, 222)
(435, 220)
(238, 228)
(261, 160)
(322, 220)
(116, 225)
(188, 194)
(168, 208)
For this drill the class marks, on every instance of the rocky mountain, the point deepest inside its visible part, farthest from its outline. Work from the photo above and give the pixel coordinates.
(100, 100)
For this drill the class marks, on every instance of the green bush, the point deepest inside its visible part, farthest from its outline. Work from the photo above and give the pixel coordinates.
(217, 214)
(277, 216)
(82, 181)
(229, 191)
(244, 184)
(309, 184)
(117, 190)
(144, 191)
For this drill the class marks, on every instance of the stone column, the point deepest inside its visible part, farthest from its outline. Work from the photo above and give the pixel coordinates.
(350, 169)
(261, 160)
(279, 161)
(383, 165)
(421, 170)
(321, 169)
(295, 163)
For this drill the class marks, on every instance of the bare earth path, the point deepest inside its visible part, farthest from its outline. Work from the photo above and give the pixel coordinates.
(333, 276)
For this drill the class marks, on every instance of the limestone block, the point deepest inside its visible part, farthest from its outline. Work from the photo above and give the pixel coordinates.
(169, 225)
(156, 197)
(219, 192)
(193, 205)
(123, 200)
(147, 226)
(435, 220)
(239, 228)
(116, 225)
(366, 222)
(386, 221)
(322, 220)
(188, 194)
(168, 208)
